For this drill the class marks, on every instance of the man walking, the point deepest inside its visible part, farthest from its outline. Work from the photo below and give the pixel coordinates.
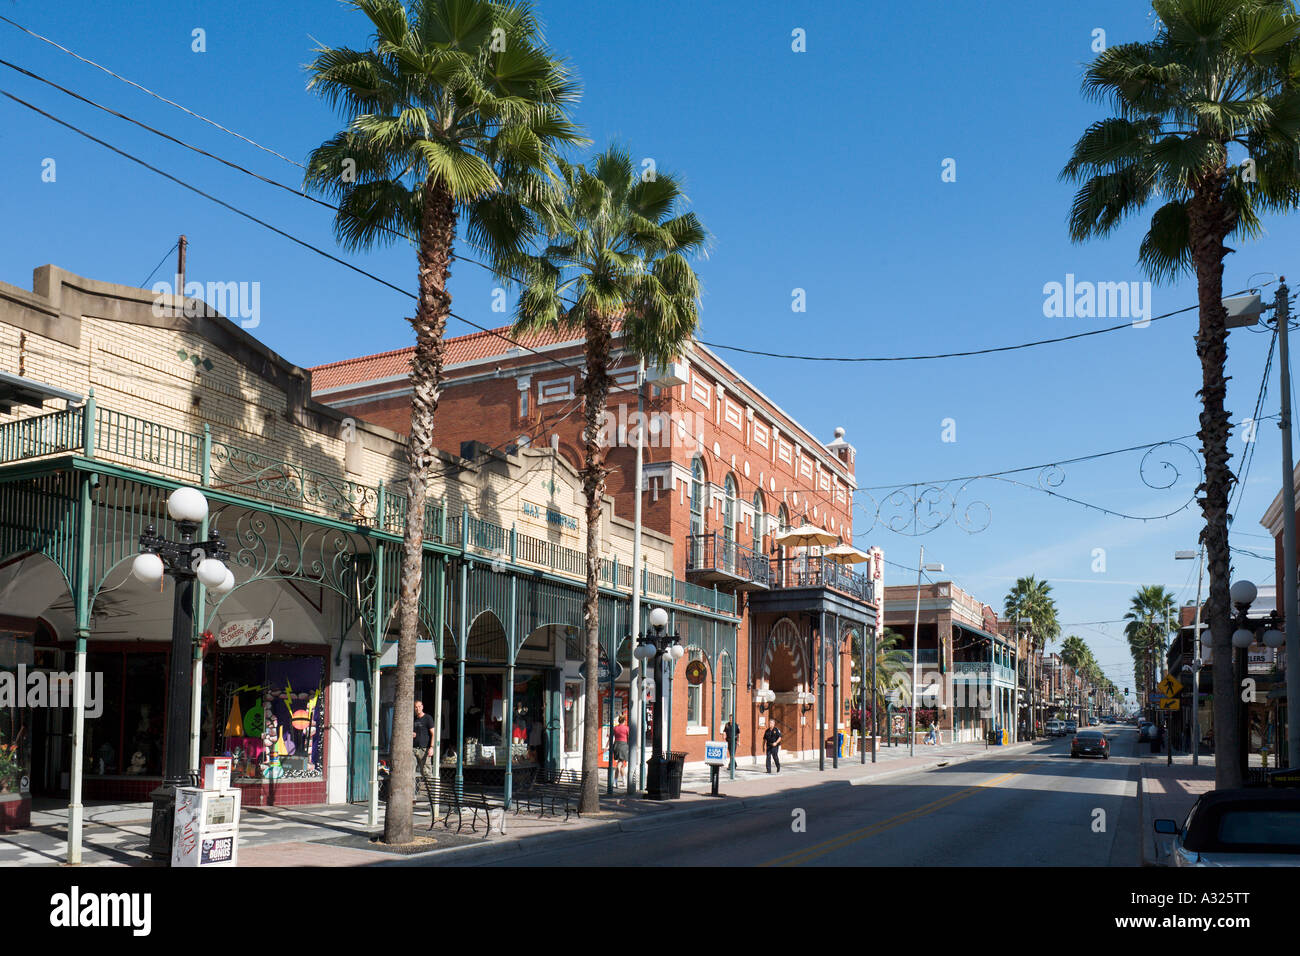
(422, 741)
(772, 741)
(731, 734)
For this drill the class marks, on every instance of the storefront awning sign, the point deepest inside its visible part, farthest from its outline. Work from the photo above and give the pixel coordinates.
(246, 633)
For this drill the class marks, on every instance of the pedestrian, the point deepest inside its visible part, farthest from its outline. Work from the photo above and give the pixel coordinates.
(772, 741)
(731, 734)
(930, 738)
(422, 740)
(620, 750)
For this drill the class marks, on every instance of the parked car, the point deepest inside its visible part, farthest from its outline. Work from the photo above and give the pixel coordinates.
(1093, 742)
(1246, 827)
(1055, 728)
(1071, 727)
(1146, 731)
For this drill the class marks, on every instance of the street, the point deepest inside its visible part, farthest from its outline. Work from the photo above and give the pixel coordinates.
(1041, 808)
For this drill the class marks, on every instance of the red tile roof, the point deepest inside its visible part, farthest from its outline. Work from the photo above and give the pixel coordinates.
(464, 348)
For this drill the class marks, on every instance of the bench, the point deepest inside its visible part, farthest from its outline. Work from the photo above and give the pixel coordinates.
(556, 787)
(469, 798)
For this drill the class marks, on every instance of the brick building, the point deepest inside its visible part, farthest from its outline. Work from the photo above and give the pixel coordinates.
(725, 470)
(967, 666)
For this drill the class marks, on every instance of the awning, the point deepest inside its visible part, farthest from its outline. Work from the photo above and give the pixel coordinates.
(16, 390)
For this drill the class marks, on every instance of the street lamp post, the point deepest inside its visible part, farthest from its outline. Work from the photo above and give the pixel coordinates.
(656, 644)
(184, 561)
(1243, 596)
(916, 630)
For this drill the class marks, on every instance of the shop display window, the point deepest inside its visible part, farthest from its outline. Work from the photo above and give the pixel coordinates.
(270, 715)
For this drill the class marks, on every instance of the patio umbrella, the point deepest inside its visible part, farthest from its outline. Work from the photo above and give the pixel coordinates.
(845, 554)
(805, 536)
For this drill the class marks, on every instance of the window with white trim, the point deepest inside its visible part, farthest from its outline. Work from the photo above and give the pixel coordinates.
(694, 694)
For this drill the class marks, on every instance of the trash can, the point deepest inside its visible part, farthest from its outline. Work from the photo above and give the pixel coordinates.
(675, 760)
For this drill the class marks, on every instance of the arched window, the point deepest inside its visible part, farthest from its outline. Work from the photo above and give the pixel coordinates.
(726, 680)
(697, 511)
(694, 694)
(729, 515)
(759, 517)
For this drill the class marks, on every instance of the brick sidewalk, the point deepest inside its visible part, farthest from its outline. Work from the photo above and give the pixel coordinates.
(337, 835)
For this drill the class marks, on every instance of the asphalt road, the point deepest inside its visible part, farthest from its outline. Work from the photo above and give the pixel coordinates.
(1034, 808)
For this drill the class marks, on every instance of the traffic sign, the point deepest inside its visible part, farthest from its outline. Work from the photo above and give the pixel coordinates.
(1170, 686)
(1169, 703)
(1156, 697)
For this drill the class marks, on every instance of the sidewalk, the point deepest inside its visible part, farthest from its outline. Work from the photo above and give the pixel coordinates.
(337, 835)
(1168, 792)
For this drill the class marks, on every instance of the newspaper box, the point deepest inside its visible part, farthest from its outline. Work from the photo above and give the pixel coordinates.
(207, 828)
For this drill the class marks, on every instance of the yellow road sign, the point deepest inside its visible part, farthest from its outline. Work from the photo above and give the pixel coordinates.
(1170, 686)
(1169, 703)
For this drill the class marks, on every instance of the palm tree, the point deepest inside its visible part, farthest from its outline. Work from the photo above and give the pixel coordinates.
(1218, 73)
(618, 250)
(1152, 617)
(1031, 599)
(455, 111)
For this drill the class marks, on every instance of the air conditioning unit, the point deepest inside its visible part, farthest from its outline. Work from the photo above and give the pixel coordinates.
(669, 376)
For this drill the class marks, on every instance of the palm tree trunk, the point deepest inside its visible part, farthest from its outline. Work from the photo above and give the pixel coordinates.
(1210, 221)
(437, 234)
(595, 392)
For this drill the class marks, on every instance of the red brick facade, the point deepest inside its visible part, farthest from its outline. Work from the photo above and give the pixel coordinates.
(500, 395)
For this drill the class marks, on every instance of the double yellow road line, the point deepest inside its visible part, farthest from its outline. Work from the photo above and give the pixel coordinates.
(840, 842)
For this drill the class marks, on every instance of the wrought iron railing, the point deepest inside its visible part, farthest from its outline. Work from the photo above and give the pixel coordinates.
(712, 551)
(812, 571)
(187, 457)
(53, 434)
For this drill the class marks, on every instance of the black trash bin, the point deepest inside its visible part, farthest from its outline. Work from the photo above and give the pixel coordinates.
(676, 760)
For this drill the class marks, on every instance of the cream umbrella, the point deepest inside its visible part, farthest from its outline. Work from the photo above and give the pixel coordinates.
(845, 554)
(805, 536)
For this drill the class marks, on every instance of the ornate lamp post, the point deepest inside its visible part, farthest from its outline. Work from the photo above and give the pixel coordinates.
(657, 644)
(1243, 596)
(184, 561)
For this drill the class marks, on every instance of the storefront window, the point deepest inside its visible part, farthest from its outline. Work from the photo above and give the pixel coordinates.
(572, 715)
(127, 736)
(694, 694)
(271, 715)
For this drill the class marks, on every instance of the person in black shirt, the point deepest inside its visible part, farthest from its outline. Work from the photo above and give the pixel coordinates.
(772, 741)
(731, 734)
(422, 740)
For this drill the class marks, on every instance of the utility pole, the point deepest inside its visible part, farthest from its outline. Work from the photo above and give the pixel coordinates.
(916, 630)
(636, 705)
(1282, 314)
(181, 245)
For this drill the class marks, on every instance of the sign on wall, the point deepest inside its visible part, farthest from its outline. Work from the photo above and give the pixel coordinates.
(246, 633)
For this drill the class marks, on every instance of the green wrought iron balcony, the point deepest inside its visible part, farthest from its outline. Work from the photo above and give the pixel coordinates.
(201, 459)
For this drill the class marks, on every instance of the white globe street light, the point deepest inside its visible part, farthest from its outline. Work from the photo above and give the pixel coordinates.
(211, 573)
(147, 567)
(658, 618)
(227, 584)
(187, 504)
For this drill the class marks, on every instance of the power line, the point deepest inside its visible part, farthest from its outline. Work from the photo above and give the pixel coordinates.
(157, 96)
(145, 283)
(944, 355)
(266, 225)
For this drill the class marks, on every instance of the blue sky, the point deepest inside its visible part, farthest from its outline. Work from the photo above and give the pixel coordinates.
(818, 170)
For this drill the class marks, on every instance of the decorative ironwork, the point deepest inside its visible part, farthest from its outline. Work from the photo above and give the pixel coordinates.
(918, 509)
(271, 546)
(279, 481)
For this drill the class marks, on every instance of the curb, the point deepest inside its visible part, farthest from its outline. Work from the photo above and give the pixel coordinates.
(481, 852)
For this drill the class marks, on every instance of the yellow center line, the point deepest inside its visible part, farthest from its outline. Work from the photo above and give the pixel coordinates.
(836, 843)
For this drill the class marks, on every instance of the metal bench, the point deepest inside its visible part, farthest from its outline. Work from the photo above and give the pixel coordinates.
(468, 798)
(556, 788)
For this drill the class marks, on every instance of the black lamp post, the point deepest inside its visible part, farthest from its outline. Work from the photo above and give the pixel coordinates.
(184, 561)
(1269, 630)
(657, 644)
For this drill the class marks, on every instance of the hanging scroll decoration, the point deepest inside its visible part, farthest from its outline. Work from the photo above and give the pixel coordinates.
(917, 509)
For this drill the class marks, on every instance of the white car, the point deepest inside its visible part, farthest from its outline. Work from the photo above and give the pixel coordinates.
(1055, 728)
(1246, 827)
